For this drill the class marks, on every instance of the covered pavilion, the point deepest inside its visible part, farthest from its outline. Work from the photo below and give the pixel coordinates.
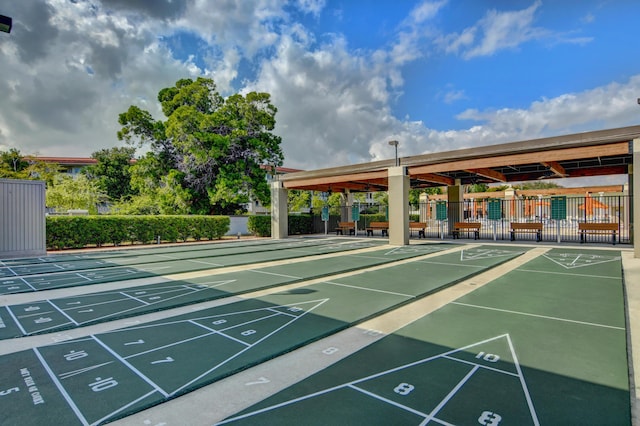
(595, 153)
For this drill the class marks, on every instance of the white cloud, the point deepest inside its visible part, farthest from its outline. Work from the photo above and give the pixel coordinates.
(495, 31)
(66, 83)
(613, 104)
(409, 44)
(329, 100)
(453, 96)
(313, 7)
(426, 11)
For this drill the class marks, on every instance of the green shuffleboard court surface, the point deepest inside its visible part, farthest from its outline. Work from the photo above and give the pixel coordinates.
(544, 344)
(52, 315)
(103, 377)
(100, 271)
(138, 256)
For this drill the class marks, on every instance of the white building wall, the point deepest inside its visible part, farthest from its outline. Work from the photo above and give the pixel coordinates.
(22, 218)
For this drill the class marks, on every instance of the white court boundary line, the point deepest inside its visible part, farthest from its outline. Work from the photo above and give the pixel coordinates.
(593, 324)
(567, 273)
(428, 417)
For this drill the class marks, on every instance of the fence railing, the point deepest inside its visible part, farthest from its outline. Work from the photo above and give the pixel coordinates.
(596, 209)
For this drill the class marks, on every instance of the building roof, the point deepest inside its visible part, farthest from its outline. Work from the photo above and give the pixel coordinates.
(596, 153)
(84, 161)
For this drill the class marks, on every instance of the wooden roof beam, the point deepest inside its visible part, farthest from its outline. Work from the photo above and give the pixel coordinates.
(430, 177)
(619, 148)
(489, 174)
(336, 180)
(556, 168)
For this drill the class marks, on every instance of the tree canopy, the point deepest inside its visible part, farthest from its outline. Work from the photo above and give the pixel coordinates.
(112, 171)
(210, 147)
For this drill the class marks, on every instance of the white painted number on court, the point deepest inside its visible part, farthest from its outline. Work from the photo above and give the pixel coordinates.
(102, 384)
(404, 389)
(260, 381)
(248, 332)
(73, 355)
(137, 342)
(161, 361)
(489, 418)
(8, 391)
(488, 357)
(330, 350)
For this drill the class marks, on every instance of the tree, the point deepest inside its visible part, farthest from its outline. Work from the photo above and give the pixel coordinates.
(112, 171)
(216, 146)
(298, 200)
(13, 165)
(477, 187)
(537, 185)
(74, 193)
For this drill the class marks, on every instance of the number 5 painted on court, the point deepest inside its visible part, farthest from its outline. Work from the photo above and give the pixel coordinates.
(8, 391)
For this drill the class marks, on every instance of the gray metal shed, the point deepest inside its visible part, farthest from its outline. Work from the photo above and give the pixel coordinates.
(22, 218)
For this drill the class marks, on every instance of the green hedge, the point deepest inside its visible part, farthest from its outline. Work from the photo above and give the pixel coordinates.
(259, 225)
(298, 224)
(81, 231)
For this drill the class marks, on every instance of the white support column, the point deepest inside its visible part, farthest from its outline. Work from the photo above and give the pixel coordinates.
(398, 206)
(279, 211)
(635, 193)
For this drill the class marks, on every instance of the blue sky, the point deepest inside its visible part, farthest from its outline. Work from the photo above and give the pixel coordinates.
(346, 75)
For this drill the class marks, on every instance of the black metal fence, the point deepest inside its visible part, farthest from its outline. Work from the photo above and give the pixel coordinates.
(591, 208)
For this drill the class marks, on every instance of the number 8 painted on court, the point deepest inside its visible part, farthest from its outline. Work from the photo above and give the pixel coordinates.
(248, 332)
(404, 389)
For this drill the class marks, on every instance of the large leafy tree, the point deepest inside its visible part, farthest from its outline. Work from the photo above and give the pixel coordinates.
(112, 171)
(68, 192)
(211, 147)
(13, 165)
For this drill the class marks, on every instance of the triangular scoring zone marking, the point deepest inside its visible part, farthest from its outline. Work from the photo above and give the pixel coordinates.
(292, 310)
(578, 260)
(484, 362)
(424, 249)
(285, 310)
(296, 315)
(480, 253)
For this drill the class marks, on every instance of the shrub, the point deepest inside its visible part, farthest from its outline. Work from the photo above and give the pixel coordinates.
(259, 225)
(81, 231)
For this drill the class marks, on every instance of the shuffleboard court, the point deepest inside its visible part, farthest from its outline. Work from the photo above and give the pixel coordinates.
(135, 257)
(106, 376)
(30, 283)
(50, 315)
(543, 344)
(133, 251)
